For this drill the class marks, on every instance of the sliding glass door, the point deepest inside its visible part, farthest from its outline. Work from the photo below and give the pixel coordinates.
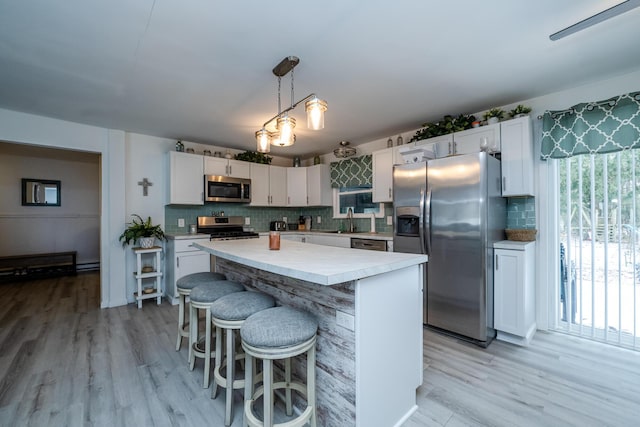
(599, 229)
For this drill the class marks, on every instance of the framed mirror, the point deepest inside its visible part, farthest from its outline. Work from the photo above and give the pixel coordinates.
(40, 192)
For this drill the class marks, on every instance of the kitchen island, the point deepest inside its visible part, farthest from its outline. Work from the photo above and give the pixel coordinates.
(369, 308)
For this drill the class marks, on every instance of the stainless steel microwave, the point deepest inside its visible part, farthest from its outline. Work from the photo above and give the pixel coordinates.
(226, 189)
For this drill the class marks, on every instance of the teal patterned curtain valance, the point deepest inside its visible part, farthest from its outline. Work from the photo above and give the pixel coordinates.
(595, 127)
(352, 172)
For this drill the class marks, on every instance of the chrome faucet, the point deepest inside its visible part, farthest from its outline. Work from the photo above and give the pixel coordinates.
(350, 218)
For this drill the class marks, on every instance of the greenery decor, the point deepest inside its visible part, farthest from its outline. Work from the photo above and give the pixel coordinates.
(494, 112)
(520, 109)
(140, 228)
(254, 157)
(447, 125)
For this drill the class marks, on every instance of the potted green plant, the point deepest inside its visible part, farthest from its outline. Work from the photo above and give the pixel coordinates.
(254, 157)
(447, 125)
(494, 115)
(141, 231)
(519, 111)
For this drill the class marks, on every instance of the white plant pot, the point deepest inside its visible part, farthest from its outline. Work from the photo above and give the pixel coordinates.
(146, 242)
(492, 120)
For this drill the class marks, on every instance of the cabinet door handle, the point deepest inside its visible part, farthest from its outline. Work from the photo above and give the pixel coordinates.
(389, 192)
(230, 173)
(178, 262)
(504, 183)
(496, 262)
(450, 149)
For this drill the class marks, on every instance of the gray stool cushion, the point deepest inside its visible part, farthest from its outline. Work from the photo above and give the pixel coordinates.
(241, 305)
(278, 327)
(209, 292)
(192, 280)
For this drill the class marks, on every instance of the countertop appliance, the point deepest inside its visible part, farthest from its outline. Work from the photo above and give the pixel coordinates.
(307, 221)
(451, 209)
(226, 189)
(277, 226)
(224, 228)
(369, 244)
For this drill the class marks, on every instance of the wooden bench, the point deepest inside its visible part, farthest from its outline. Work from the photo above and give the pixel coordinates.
(35, 266)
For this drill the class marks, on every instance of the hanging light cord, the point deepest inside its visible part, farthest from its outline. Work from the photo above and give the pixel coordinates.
(279, 109)
(292, 97)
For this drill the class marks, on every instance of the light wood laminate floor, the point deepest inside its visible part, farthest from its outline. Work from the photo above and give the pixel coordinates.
(66, 362)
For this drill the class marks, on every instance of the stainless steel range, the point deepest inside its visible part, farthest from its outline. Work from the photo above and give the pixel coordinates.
(224, 228)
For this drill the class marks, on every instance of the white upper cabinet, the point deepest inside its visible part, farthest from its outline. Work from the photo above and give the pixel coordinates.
(269, 185)
(186, 179)
(517, 158)
(226, 167)
(471, 140)
(319, 186)
(439, 146)
(383, 175)
(309, 186)
(297, 186)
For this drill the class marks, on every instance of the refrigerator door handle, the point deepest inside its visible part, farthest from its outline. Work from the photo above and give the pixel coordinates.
(427, 221)
(421, 221)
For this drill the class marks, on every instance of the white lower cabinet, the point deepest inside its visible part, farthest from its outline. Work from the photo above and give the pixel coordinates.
(296, 237)
(330, 240)
(514, 291)
(183, 259)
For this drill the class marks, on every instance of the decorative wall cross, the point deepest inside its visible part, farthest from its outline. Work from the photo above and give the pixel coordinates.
(145, 184)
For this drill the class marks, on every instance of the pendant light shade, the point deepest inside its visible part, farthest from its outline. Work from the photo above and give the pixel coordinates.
(315, 108)
(285, 126)
(264, 141)
(284, 136)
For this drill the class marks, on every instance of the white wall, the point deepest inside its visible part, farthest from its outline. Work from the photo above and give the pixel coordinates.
(37, 130)
(75, 225)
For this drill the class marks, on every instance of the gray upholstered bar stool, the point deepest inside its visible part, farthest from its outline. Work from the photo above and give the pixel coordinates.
(274, 334)
(202, 297)
(228, 314)
(184, 286)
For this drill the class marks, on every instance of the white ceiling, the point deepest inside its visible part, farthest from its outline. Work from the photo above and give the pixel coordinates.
(200, 70)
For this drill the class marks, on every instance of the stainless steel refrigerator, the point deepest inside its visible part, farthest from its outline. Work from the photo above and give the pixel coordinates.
(451, 209)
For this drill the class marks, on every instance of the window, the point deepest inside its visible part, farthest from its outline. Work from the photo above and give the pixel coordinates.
(600, 246)
(359, 199)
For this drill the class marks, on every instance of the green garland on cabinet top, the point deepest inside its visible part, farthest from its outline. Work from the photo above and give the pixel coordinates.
(448, 124)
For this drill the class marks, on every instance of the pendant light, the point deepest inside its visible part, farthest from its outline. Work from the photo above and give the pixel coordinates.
(283, 136)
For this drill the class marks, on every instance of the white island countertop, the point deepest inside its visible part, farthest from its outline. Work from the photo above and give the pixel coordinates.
(324, 265)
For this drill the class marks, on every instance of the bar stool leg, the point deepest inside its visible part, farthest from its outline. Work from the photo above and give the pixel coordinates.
(287, 379)
(218, 362)
(248, 386)
(231, 364)
(207, 349)
(311, 383)
(193, 335)
(181, 302)
(267, 375)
